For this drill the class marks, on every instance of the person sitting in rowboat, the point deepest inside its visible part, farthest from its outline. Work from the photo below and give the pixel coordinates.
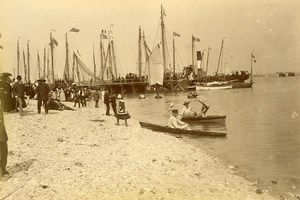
(205, 105)
(187, 110)
(174, 122)
(142, 96)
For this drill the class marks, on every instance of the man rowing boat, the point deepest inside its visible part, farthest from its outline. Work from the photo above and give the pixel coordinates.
(205, 105)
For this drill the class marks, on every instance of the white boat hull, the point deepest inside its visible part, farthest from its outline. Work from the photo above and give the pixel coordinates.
(203, 87)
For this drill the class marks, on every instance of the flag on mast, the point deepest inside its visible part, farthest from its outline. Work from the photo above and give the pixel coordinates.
(176, 34)
(74, 30)
(54, 42)
(195, 39)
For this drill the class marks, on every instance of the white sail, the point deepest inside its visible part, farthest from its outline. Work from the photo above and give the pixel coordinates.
(155, 66)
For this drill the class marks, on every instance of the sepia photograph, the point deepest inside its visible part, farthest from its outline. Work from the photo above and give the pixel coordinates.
(149, 99)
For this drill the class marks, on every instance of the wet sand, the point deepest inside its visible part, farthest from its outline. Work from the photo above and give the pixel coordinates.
(82, 154)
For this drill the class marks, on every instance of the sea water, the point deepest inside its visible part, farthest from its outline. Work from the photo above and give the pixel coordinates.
(262, 125)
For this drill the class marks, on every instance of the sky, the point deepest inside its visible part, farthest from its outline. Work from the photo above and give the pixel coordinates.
(268, 28)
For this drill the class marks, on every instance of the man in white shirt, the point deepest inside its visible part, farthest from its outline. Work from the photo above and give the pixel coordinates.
(174, 122)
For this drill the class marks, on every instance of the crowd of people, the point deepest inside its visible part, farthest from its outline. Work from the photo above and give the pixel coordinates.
(14, 93)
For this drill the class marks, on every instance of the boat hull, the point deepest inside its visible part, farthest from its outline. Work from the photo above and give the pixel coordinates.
(242, 85)
(166, 129)
(221, 87)
(207, 119)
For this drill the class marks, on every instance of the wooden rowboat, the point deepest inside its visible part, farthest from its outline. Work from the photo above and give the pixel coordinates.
(167, 129)
(207, 119)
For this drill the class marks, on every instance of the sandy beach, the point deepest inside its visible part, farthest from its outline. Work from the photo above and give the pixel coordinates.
(82, 154)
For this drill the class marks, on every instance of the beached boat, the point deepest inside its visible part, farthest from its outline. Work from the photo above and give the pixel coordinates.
(155, 127)
(207, 119)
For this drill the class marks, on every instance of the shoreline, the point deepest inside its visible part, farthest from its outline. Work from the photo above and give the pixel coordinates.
(82, 154)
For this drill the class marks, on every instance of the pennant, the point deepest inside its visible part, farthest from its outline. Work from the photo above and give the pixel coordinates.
(1, 47)
(55, 42)
(209, 48)
(74, 30)
(195, 39)
(176, 34)
(253, 55)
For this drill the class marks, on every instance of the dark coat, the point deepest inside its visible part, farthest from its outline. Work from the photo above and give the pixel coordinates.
(3, 134)
(106, 98)
(42, 91)
(19, 89)
(96, 96)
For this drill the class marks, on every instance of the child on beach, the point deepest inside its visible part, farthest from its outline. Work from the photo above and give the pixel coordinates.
(122, 112)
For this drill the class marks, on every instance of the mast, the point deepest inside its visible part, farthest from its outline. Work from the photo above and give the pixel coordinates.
(114, 58)
(140, 54)
(102, 55)
(252, 56)
(25, 68)
(94, 64)
(39, 64)
(52, 63)
(28, 60)
(73, 69)
(147, 50)
(193, 50)
(66, 74)
(207, 64)
(48, 68)
(173, 54)
(163, 37)
(44, 66)
(221, 51)
(109, 61)
(18, 58)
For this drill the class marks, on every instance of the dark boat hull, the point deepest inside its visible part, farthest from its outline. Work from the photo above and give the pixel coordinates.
(207, 119)
(166, 129)
(242, 85)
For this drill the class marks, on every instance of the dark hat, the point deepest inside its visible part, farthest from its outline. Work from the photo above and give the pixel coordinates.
(19, 77)
(186, 102)
(175, 111)
(42, 79)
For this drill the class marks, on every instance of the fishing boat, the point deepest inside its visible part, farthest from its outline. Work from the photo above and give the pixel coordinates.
(207, 119)
(159, 128)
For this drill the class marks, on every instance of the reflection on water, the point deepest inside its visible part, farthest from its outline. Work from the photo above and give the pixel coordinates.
(263, 134)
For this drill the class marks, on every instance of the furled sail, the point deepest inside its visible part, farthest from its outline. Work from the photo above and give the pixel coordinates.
(155, 67)
(82, 73)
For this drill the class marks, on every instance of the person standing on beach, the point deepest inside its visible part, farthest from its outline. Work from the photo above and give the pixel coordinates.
(42, 92)
(77, 97)
(19, 93)
(96, 97)
(3, 148)
(106, 101)
(113, 103)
